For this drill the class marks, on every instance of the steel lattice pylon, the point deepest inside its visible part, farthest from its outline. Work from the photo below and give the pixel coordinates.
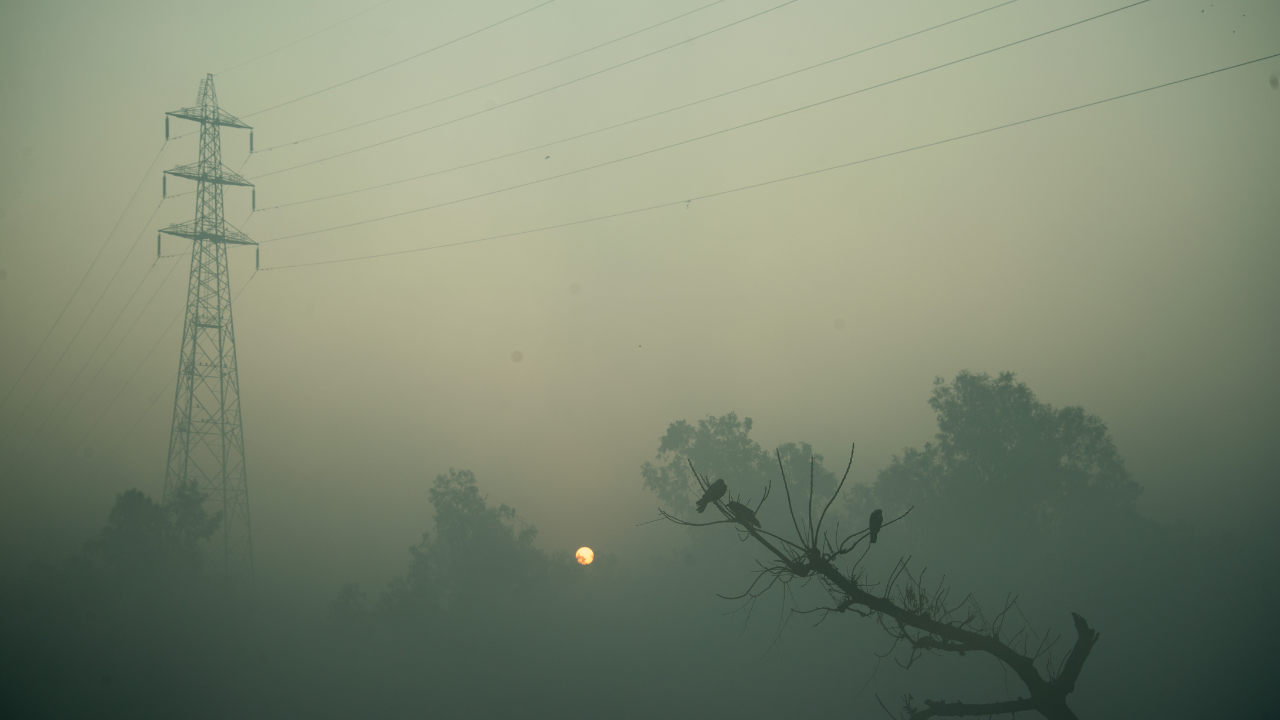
(206, 440)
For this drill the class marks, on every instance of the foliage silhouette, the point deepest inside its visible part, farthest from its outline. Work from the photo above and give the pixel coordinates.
(1004, 463)
(479, 554)
(722, 447)
(145, 538)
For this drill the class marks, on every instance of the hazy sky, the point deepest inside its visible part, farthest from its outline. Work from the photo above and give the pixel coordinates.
(1123, 257)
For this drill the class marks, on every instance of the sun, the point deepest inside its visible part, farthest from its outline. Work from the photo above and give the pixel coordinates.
(585, 556)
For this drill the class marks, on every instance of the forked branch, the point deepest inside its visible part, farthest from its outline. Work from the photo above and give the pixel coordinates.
(911, 612)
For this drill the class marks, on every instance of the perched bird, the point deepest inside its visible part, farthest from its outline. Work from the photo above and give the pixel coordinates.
(877, 519)
(743, 514)
(713, 493)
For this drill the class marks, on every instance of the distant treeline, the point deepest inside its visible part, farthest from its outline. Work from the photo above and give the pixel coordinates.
(1011, 496)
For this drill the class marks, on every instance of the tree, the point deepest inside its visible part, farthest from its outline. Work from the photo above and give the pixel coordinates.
(479, 553)
(145, 538)
(913, 613)
(718, 445)
(1004, 463)
(347, 609)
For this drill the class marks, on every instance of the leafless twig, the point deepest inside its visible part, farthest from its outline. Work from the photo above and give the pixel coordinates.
(912, 612)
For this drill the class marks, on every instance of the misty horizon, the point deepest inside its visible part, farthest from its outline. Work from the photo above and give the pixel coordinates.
(533, 247)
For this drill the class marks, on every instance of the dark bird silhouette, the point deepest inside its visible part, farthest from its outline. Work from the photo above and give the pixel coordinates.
(877, 519)
(743, 514)
(713, 493)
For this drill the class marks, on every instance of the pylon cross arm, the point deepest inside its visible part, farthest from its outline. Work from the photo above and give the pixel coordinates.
(229, 235)
(219, 117)
(223, 175)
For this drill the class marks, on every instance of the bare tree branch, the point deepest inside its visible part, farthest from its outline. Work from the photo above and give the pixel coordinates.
(940, 708)
(813, 531)
(839, 487)
(790, 510)
(910, 611)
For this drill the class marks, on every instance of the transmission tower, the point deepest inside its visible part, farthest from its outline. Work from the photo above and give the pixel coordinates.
(206, 440)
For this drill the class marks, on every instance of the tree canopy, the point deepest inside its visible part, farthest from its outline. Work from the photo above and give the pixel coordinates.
(144, 538)
(1001, 456)
(721, 447)
(479, 552)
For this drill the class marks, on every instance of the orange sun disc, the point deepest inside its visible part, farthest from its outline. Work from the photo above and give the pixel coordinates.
(585, 556)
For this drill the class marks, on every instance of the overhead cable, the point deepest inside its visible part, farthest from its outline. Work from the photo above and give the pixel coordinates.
(110, 356)
(639, 119)
(71, 342)
(295, 42)
(489, 84)
(35, 438)
(526, 97)
(133, 427)
(103, 339)
(783, 179)
(399, 62)
(163, 335)
(79, 285)
(716, 132)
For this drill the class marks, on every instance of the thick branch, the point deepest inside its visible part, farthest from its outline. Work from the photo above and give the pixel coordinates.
(928, 643)
(1022, 665)
(1086, 638)
(1047, 696)
(938, 708)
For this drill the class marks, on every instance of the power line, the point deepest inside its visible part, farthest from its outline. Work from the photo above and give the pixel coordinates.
(398, 62)
(81, 328)
(153, 400)
(715, 133)
(642, 118)
(103, 339)
(295, 42)
(495, 82)
(105, 335)
(167, 385)
(123, 387)
(787, 178)
(105, 241)
(532, 95)
(111, 355)
(35, 438)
